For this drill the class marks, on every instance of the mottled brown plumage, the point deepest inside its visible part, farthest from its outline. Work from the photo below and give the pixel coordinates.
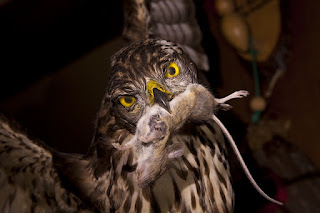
(28, 180)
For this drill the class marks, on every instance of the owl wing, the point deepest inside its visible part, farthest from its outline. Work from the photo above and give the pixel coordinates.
(173, 20)
(28, 180)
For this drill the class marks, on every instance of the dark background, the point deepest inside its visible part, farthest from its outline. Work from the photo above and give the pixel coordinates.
(39, 37)
(40, 87)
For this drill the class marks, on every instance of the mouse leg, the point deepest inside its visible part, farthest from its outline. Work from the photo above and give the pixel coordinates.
(221, 102)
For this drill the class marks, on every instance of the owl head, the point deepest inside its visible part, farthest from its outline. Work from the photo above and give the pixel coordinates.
(145, 73)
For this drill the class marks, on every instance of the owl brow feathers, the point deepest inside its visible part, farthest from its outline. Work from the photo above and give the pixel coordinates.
(142, 59)
(154, 128)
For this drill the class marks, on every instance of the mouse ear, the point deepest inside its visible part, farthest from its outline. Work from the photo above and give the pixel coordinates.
(175, 150)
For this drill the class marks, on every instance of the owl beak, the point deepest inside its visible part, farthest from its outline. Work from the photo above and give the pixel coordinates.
(159, 95)
(162, 99)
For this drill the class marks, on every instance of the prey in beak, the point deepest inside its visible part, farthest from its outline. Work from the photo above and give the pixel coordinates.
(159, 94)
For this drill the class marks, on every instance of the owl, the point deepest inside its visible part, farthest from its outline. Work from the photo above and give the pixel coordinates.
(150, 72)
(145, 73)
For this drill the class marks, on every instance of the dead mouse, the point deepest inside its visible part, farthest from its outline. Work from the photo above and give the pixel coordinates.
(154, 128)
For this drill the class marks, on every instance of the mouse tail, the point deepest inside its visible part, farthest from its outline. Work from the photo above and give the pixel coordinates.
(242, 163)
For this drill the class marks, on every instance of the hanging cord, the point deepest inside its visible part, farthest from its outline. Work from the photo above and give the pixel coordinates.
(256, 116)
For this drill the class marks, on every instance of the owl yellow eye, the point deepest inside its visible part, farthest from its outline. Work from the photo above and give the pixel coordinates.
(127, 101)
(172, 70)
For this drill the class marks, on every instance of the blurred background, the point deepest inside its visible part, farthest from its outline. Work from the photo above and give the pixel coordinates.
(54, 64)
(54, 60)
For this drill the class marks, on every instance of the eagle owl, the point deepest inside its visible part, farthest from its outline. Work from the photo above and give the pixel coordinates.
(148, 72)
